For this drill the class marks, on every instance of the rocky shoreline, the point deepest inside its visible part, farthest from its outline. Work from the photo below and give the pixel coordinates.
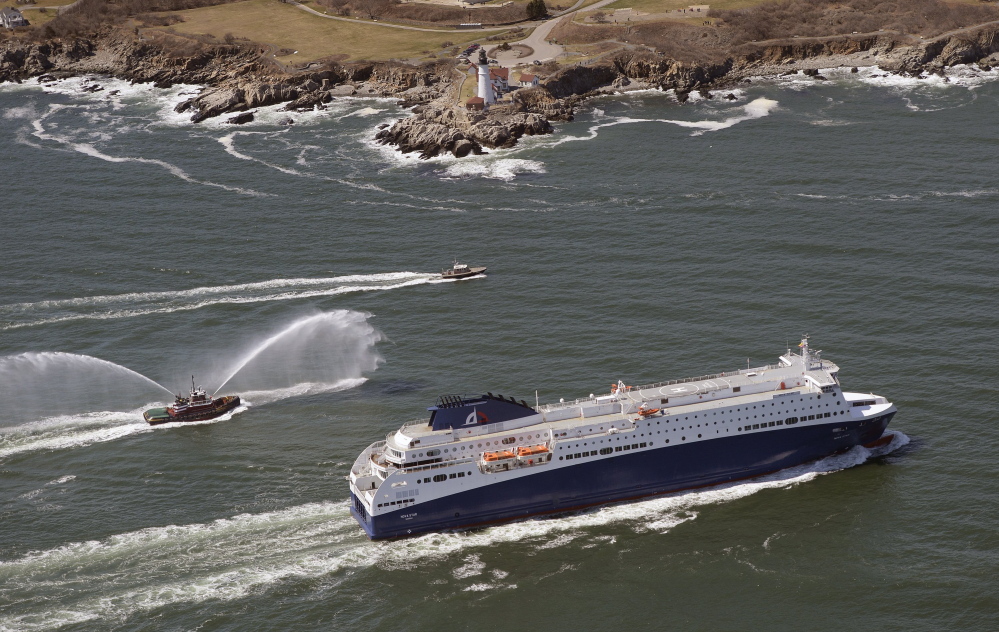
(238, 79)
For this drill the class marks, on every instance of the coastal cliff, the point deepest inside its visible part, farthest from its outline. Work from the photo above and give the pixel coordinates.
(238, 78)
(234, 78)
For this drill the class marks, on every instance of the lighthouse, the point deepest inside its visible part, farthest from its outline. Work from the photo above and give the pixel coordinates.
(485, 84)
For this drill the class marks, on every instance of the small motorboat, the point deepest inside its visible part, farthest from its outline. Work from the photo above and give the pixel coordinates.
(461, 271)
(198, 407)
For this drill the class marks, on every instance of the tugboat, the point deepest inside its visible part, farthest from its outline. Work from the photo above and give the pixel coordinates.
(198, 407)
(461, 271)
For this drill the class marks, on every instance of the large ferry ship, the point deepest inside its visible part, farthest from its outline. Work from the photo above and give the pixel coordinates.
(488, 458)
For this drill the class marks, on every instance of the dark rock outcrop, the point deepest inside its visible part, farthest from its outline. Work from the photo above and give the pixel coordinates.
(440, 129)
(236, 78)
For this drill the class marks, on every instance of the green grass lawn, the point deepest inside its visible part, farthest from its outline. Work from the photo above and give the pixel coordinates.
(284, 26)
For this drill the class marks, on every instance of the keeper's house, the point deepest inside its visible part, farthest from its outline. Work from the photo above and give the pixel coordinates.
(11, 18)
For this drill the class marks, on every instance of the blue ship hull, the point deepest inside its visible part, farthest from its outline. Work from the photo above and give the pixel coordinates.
(625, 477)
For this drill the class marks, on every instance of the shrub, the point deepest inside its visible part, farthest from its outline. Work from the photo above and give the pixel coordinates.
(536, 9)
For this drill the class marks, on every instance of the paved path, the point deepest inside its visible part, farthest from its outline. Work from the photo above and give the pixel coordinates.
(538, 40)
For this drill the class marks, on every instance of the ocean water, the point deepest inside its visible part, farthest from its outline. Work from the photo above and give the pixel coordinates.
(647, 240)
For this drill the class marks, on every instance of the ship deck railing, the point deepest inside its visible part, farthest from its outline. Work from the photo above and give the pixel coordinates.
(714, 376)
(435, 466)
(362, 466)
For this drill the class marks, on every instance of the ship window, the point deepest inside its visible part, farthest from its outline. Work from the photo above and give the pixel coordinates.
(643, 445)
(772, 424)
(827, 414)
(461, 475)
(667, 440)
(509, 440)
(433, 452)
(739, 428)
(617, 449)
(736, 389)
(560, 458)
(440, 477)
(756, 426)
(634, 446)
(577, 455)
(780, 422)
(451, 475)
(627, 447)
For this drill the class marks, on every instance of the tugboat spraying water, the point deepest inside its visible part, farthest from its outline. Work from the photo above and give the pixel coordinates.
(198, 407)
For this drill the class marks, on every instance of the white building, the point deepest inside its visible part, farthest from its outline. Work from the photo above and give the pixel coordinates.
(11, 18)
(527, 80)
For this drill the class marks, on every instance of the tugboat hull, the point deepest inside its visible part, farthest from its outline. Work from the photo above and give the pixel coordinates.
(219, 407)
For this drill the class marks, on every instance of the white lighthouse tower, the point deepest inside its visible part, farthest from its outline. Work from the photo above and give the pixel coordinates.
(485, 85)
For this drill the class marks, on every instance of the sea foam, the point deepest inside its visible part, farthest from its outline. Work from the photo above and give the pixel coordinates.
(232, 558)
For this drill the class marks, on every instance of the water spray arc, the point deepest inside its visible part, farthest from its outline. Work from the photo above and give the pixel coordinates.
(339, 319)
(50, 359)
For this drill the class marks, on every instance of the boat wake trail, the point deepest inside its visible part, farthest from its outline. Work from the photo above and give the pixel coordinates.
(233, 558)
(72, 431)
(19, 315)
(81, 430)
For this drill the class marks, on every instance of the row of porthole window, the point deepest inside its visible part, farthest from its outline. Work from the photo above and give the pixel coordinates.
(605, 451)
(440, 478)
(404, 501)
(506, 441)
(509, 440)
(790, 421)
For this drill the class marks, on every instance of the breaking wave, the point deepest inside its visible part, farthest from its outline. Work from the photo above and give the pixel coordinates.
(755, 109)
(232, 558)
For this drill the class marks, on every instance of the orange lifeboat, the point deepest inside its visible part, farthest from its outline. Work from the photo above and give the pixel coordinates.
(497, 456)
(531, 450)
(645, 412)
